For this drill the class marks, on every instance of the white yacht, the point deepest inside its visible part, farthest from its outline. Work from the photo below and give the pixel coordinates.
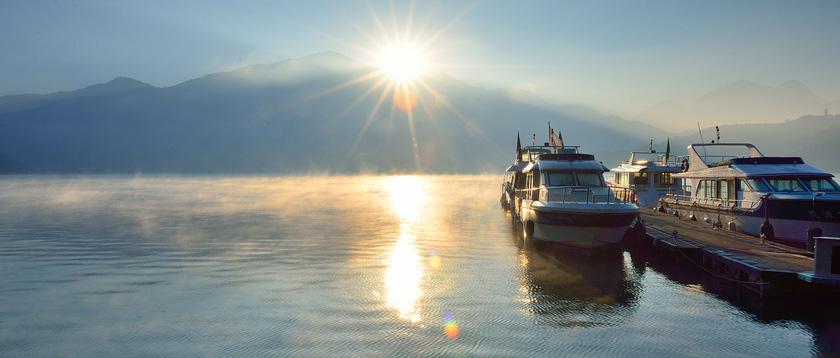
(734, 185)
(563, 199)
(649, 174)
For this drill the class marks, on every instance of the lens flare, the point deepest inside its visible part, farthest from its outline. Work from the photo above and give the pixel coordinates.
(450, 326)
(405, 98)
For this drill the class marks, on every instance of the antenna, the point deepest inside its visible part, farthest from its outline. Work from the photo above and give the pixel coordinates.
(651, 146)
(701, 138)
(717, 131)
(549, 132)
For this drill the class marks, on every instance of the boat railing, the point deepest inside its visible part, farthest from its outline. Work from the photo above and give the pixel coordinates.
(716, 202)
(712, 159)
(579, 194)
(673, 161)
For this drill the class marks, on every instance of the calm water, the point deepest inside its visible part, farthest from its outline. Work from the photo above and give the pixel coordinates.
(335, 266)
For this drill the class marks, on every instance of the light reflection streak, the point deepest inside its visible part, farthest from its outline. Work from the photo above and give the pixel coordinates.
(404, 272)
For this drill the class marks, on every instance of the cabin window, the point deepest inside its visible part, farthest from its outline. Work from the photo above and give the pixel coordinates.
(711, 189)
(663, 179)
(589, 179)
(786, 184)
(743, 186)
(640, 178)
(821, 184)
(617, 179)
(754, 184)
(707, 189)
(519, 181)
(727, 189)
(560, 179)
(625, 179)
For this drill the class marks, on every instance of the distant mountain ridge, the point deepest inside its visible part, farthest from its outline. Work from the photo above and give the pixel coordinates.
(814, 138)
(302, 116)
(22, 102)
(286, 117)
(741, 102)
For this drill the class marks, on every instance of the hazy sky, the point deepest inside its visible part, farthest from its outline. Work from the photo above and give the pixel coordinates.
(620, 56)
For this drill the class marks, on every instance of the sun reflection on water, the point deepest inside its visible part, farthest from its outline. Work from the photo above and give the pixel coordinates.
(407, 197)
(404, 273)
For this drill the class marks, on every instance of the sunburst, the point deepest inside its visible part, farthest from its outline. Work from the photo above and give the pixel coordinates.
(401, 62)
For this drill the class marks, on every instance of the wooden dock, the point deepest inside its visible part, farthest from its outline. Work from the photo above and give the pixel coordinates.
(764, 268)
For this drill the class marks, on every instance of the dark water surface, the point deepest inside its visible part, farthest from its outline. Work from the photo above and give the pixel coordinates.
(335, 266)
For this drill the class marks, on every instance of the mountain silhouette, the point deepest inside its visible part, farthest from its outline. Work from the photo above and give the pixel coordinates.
(292, 116)
(117, 86)
(811, 137)
(742, 102)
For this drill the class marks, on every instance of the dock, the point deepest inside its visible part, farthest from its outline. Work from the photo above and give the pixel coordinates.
(766, 269)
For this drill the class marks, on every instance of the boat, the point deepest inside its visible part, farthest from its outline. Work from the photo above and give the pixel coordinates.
(562, 198)
(734, 185)
(514, 179)
(649, 174)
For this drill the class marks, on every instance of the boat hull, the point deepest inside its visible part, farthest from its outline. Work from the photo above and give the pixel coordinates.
(791, 219)
(587, 238)
(586, 226)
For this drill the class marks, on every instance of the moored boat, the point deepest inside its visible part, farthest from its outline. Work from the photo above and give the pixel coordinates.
(734, 186)
(564, 199)
(649, 174)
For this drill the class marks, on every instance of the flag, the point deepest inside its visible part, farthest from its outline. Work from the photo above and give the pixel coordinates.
(556, 138)
(667, 149)
(518, 148)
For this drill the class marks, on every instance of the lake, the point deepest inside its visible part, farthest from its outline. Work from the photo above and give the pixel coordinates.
(339, 266)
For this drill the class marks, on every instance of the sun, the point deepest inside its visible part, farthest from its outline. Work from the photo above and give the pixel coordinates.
(403, 63)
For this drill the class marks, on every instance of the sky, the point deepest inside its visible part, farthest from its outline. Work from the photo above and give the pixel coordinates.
(617, 56)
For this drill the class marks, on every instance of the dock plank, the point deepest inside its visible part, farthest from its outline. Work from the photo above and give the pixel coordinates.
(748, 250)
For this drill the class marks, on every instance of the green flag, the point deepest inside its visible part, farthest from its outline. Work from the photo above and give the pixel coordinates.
(667, 149)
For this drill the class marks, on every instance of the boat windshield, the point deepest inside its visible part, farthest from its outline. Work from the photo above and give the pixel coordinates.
(821, 184)
(571, 178)
(589, 179)
(786, 184)
(754, 184)
(560, 179)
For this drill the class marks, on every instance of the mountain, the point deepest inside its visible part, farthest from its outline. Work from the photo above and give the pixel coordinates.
(117, 86)
(814, 138)
(293, 116)
(741, 102)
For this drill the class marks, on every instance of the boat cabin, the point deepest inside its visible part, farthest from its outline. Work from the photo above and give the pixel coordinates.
(645, 171)
(740, 181)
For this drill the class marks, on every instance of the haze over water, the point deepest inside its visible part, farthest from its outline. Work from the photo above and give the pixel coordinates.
(334, 266)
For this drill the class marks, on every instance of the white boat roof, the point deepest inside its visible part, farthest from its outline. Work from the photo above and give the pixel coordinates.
(648, 162)
(635, 168)
(560, 165)
(749, 163)
(754, 170)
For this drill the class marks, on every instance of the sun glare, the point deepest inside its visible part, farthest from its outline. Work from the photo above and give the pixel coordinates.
(405, 61)
(402, 63)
